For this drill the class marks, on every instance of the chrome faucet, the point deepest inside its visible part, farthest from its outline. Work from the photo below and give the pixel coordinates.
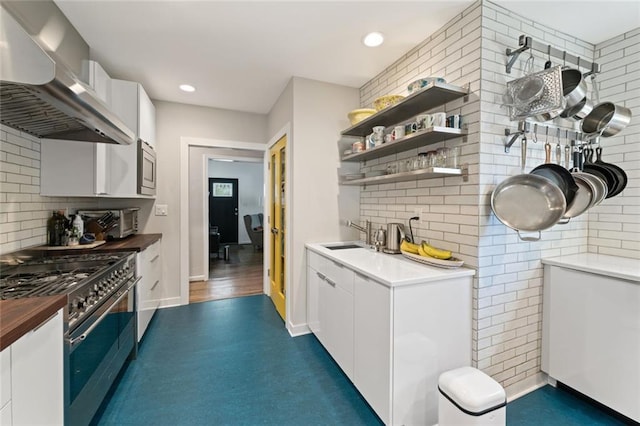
(366, 229)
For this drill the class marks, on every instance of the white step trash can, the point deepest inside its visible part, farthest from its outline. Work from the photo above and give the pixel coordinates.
(469, 397)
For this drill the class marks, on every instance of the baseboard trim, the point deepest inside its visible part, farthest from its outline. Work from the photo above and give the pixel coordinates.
(170, 302)
(197, 278)
(298, 330)
(526, 386)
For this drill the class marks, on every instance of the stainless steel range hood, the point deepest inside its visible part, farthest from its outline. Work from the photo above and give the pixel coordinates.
(39, 93)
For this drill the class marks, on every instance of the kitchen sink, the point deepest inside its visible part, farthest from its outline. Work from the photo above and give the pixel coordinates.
(343, 246)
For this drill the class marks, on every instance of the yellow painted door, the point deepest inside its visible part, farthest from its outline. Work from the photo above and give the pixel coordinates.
(277, 223)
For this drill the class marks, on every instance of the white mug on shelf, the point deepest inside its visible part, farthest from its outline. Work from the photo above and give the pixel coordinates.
(398, 132)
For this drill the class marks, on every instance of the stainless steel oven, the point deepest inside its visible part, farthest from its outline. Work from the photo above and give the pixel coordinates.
(96, 350)
(147, 170)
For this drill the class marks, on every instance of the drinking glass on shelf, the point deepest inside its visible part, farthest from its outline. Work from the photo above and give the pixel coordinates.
(415, 163)
(423, 160)
(453, 157)
(441, 157)
(432, 159)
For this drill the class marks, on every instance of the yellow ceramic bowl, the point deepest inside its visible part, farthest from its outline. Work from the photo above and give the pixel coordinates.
(357, 115)
(386, 101)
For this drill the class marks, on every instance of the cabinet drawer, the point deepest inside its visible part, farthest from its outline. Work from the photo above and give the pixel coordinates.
(336, 273)
(340, 275)
(316, 261)
(5, 377)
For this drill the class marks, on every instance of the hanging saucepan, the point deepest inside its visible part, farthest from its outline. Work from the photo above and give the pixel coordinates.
(579, 111)
(574, 87)
(603, 172)
(558, 175)
(598, 185)
(606, 119)
(620, 174)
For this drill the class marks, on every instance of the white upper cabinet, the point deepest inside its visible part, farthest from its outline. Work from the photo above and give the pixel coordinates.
(131, 103)
(71, 168)
(96, 77)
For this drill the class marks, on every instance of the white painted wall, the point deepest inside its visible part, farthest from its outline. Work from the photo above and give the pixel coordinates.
(320, 206)
(250, 189)
(173, 122)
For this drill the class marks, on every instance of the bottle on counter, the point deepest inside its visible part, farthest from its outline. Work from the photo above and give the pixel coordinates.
(56, 229)
(78, 225)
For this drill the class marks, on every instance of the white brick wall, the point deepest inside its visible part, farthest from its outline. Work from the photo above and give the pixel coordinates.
(23, 212)
(449, 205)
(614, 226)
(508, 286)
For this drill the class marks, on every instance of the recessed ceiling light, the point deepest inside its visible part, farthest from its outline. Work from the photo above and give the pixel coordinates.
(187, 88)
(373, 39)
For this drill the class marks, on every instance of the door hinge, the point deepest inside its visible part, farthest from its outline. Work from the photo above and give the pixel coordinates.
(269, 166)
(269, 272)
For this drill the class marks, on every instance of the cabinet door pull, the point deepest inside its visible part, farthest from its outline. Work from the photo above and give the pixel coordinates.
(155, 284)
(339, 265)
(155, 258)
(331, 283)
(322, 276)
(42, 324)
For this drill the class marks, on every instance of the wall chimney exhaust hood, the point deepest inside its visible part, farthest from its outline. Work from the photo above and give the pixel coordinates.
(39, 94)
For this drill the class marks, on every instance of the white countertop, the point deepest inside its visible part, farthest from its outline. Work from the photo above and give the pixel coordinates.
(390, 269)
(602, 264)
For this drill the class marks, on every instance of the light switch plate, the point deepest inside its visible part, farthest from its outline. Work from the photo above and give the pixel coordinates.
(162, 209)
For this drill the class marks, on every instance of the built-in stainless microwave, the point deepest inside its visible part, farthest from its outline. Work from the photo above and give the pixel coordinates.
(147, 171)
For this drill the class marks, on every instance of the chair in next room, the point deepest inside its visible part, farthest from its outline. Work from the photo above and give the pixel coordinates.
(253, 223)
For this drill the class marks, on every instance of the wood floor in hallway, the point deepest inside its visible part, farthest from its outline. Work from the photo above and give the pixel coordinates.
(241, 275)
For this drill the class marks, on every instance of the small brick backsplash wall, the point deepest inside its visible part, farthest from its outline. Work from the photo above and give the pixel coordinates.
(23, 212)
(614, 226)
(456, 215)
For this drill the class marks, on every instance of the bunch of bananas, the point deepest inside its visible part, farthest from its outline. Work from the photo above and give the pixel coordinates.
(425, 250)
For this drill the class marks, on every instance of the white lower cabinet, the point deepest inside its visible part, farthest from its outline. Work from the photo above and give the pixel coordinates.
(5, 387)
(35, 395)
(372, 344)
(149, 267)
(334, 311)
(393, 342)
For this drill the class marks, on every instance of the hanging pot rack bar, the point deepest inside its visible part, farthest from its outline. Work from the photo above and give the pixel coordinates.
(526, 43)
(524, 127)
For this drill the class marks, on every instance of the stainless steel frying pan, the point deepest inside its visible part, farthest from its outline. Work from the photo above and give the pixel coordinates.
(528, 202)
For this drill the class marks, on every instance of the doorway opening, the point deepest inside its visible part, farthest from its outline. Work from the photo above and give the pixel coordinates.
(233, 194)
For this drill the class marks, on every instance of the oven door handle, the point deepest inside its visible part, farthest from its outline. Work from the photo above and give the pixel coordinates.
(84, 335)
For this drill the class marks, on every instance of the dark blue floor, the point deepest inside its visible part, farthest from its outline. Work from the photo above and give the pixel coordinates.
(550, 406)
(232, 362)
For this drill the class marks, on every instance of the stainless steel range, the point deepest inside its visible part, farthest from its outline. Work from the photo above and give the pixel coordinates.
(99, 328)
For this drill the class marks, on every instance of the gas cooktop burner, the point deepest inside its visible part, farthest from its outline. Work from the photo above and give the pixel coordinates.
(53, 275)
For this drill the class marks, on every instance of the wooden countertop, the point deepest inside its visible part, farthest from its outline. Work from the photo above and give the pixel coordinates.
(137, 242)
(19, 316)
